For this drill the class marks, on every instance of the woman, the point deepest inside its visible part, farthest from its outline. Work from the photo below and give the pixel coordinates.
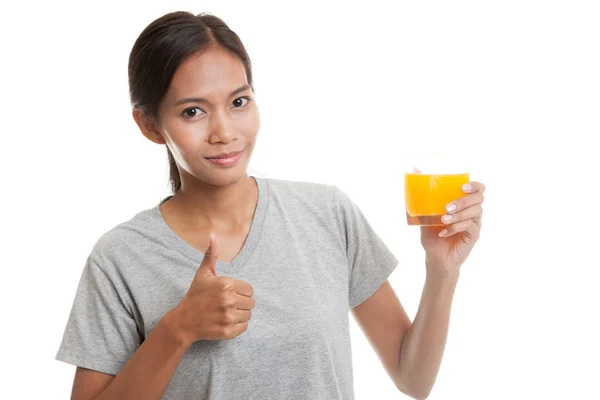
(239, 287)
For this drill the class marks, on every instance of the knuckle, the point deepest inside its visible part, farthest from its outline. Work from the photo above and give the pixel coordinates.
(227, 300)
(229, 317)
(459, 216)
(226, 284)
(460, 203)
(459, 227)
(241, 328)
(228, 332)
(456, 218)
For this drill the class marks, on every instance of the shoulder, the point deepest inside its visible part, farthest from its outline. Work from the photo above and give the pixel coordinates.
(311, 202)
(124, 240)
(304, 192)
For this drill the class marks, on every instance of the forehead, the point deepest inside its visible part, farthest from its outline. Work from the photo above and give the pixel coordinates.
(215, 71)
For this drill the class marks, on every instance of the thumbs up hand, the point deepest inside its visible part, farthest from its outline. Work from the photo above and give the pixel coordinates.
(215, 307)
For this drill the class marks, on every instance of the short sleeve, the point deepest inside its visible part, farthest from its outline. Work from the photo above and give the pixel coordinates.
(101, 334)
(370, 261)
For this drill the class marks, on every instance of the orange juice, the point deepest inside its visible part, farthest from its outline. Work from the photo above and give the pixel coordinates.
(427, 196)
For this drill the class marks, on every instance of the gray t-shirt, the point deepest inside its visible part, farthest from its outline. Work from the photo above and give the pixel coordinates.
(310, 255)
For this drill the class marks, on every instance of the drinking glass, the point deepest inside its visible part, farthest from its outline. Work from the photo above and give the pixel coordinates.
(431, 181)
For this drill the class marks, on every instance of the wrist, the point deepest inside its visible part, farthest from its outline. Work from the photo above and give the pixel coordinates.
(437, 276)
(174, 329)
(440, 273)
(439, 269)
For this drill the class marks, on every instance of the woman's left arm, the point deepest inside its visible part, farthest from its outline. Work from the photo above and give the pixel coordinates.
(412, 352)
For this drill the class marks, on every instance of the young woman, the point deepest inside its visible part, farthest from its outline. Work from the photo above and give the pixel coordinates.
(240, 287)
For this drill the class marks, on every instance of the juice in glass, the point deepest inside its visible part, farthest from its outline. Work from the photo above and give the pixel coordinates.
(427, 195)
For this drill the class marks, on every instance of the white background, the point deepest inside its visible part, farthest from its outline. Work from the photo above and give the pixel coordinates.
(344, 90)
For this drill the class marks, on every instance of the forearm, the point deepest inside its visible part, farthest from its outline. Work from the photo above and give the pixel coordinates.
(423, 344)
(149, 371)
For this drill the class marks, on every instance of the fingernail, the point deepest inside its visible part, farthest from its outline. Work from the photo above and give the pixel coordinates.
(467, 187)
(447, 218)
(443, 233)
(451, 207)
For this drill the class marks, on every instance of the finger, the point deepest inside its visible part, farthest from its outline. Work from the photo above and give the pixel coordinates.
(243, 288)
(244, 302)
(239, 328)
(464, 202)
(472, 212)
(467, 226)
(243, 315)
(209, 262)
(473, 187)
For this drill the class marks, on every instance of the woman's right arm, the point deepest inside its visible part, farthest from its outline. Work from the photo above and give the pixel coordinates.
(214, 308)
(146, 374)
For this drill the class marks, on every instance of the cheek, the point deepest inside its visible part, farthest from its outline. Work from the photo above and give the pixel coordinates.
(184, 138)
(251, 125)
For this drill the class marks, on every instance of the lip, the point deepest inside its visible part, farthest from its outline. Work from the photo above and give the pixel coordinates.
(226, 155)
(226, 159)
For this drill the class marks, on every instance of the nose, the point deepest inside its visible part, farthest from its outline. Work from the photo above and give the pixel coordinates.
(221, 128)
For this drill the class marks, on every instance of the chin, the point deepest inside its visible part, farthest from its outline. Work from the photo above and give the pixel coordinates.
(225, 176)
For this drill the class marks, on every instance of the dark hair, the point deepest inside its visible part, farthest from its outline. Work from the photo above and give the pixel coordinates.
(162, 47)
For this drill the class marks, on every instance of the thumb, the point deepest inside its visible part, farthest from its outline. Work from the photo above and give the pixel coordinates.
(209, 262)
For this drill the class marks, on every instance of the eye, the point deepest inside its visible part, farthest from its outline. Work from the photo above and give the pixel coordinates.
(191, 112)
(239, 102)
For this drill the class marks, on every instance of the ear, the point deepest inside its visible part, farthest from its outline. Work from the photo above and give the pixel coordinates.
(148, 127)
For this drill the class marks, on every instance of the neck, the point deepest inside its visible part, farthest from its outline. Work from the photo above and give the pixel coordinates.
(206, 206)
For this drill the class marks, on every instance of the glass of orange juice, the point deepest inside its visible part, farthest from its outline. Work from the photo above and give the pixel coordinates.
(432, 181)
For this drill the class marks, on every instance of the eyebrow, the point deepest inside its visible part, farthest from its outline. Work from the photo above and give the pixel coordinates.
(204, 100)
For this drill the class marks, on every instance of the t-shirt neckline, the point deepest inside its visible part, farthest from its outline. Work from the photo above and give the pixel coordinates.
(248, 247)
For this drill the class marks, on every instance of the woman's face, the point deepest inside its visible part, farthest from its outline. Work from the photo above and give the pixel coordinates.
(209, 110)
